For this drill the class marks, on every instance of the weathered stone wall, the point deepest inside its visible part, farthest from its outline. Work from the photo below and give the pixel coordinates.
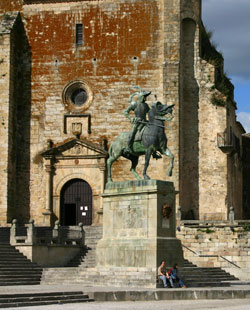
(15, 114)
(111, 60)
(189, 132)
(8, 84)
(246, 176)
(21, 93)
(212, 161)
(220, 168)
(10, 5)
(217, 247)
(158, 49)
(235, 165)
(4, 127)
(170, 29)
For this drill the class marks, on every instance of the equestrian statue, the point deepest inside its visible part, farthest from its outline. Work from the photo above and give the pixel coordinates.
(147, 136)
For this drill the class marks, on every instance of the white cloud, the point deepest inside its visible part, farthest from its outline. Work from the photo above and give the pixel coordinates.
(244, 119)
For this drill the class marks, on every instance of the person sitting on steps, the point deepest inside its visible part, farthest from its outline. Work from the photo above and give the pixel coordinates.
(173, 274)
(162, 274)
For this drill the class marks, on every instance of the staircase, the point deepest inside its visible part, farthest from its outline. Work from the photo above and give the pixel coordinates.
(82, 269)
(86, 258)
(4, 235)
(194, 276)
(16, 269)
(38, 299)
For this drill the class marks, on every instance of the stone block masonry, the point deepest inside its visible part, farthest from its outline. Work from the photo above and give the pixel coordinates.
(155, 44)
(224, 247)
(135, 231)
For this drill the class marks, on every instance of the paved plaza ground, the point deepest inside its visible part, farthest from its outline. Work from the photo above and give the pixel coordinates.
(242, 290)
(239, 304)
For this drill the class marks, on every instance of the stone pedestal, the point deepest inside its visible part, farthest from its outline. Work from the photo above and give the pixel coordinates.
(139, 226)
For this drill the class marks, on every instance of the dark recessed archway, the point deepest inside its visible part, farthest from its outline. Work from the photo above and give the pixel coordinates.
(76, 203)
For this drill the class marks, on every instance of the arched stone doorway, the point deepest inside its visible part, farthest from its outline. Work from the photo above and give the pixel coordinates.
(76, 203)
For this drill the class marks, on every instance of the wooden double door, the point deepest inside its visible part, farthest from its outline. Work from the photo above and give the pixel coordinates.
(76, 203)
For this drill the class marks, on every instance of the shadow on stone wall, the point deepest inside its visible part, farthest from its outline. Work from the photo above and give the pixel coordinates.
(246, 178)
(20, 91)
(189, 126)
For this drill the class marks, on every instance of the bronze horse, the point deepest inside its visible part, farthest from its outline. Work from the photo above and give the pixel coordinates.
(153, 139)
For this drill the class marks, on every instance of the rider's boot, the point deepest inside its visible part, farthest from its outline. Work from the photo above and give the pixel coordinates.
(128, 150)
(156, 155)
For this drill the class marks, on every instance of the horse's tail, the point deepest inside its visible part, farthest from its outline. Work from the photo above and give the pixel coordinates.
(110, 150)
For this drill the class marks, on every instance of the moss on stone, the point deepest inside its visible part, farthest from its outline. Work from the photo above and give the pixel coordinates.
(208, 49)
(211, 55)
(218, 101)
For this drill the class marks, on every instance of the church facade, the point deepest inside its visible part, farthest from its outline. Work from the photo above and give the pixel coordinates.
(67, 69)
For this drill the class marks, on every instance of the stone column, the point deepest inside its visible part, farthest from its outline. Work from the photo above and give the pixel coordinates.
(178, 217)
(103, 171)
(49, 201)
(231, 216)
(31, 237)
(13, 232)
(7, 160)
(56, 233)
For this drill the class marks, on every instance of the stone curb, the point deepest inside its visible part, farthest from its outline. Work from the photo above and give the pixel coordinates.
(168, 294)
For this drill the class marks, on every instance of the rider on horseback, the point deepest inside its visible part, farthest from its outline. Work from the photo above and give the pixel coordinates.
(140, 108)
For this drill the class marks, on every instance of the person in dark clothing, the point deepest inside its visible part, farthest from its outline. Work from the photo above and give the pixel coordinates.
(173, 273)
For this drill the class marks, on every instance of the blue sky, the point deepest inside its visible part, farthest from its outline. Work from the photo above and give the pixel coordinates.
(230, 22)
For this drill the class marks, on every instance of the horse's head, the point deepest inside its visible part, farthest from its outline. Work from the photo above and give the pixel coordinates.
(159, 110)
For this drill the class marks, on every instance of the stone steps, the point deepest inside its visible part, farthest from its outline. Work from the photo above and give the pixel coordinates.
(4, 235)
(18, 260)
(82, 270)
(86, 258)
(16, 269)
(18, 273)
(23, 282)
(15, 276)
(194, 276)
(38, 299)
(98, 276)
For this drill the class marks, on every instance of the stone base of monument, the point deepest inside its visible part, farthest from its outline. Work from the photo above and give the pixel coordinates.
(138, 230)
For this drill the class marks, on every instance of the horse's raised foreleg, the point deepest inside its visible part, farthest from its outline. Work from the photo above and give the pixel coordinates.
(148, 154)
(134, 161)
(171, 156)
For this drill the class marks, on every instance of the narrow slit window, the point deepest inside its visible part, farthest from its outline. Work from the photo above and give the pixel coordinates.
(79, 34)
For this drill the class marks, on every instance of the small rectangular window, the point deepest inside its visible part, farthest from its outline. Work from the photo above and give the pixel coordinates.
(79, 34)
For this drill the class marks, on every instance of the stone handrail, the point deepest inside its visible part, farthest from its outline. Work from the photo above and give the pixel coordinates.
(213, 255)
(33, 235)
